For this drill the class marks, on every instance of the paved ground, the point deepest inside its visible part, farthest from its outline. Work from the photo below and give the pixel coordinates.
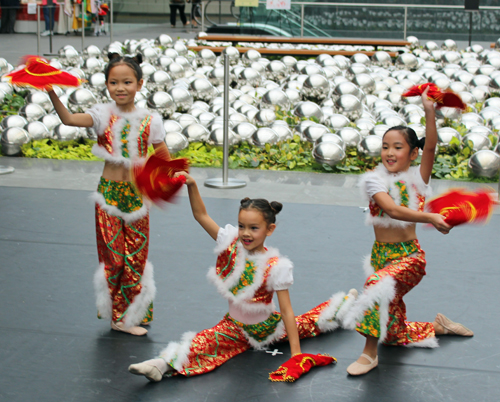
(54, 349)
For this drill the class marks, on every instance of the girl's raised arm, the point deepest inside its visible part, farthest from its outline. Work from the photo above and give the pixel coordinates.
(198, 207)
(430, 138)
(68, 118)
(288, 318)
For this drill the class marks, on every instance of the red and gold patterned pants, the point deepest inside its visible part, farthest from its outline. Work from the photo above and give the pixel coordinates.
(123, 249)
(405, 263)
(213, 347)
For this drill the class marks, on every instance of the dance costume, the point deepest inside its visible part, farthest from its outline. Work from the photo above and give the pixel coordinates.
(124, 283)
(393, 269)
(248, 282)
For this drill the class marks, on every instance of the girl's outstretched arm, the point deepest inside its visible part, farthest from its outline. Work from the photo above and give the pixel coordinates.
(68, 118)
(198, 207)
(400, 213)
(288, 318)
(430, 138)
(161, 149)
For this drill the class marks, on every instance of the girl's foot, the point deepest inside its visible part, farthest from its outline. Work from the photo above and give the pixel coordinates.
(363, 365)
(152, 369)
(172, 26)
(194, 23)
(444, 326)
(138, 331)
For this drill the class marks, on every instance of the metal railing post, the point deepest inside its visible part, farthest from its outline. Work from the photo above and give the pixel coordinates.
(302, 20)
(406, 21)
(202, 16)
(84, 13)
(38, 29)
(111, 24)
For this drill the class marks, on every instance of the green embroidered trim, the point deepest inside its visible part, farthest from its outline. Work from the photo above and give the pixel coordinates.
(144, 124)
(120, 194)
(233, 249)
(246, 278)
(384, 252)
(124, 134)
(403, 192)
(262, 330)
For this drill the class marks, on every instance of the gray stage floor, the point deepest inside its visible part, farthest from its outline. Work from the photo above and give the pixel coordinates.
(54, 349)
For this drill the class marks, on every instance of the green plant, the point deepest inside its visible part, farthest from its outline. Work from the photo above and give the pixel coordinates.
(11, 105)
(80, 149)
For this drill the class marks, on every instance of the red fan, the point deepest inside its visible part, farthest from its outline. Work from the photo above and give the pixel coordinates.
(299, 364)
(155, 179)
(460, 206)
(39, 74)
(103, 10)
(446, 98)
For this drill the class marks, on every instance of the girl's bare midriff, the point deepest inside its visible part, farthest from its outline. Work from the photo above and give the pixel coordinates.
(116, 172)
(395, 235)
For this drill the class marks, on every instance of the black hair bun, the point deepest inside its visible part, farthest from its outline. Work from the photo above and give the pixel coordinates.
(421, 143)
(245, 201)
(276, 206)
(138, 58)
(113, 55)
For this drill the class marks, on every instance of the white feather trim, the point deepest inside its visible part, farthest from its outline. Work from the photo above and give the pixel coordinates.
(176, 354)
(98, 198)
(382, 293)
(278, 334)
(327, 320)
(367, 266)
(426, 343)
(139, 306)
(101, 290)
(225, 237)
(281, 276)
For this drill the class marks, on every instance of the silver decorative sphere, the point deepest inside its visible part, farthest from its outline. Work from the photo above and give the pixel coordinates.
(381, 59)
(250, 56)
(276, 70)
(350, 106)
(245, 130)
(182, 98)
(406, 61)
(310, 69)
(202, 89)
(329, 153)
(37, 130)
(186, 120)
(346, 88)
(216, 137)
(315, 87)
(314, 132)
(307, 110)
(92, 51)
(12, 140)
(446, 134)
(233, 54)
(32, 112)
(379, 130)
(371, 145)
(172, 126)
(93, 65)
(164, 40)
(480, 79)
(264, 117)
(468, 98)
(337, 121)
(50, 121)
(180, 48)
(159, 81)
(361, 58)
(163, 103)
(299, 128)
(66, 133)
(449, 44)
(263, 136)
(293, 95)
(394, 120)
(80, 100)
(481, 93)
(479, 141)
(330, 137)
(7, 88)
(414, 42)
(176, 141)
(365, 82)
(281, 128)
(350, 136)
(275, 97)
(450, 57)
(172, 53)
(195, 132)
(207, 57)
(40, 98)
(97, 81)
(485, 163)
(250, 76)
(13, 121)
(175, 70)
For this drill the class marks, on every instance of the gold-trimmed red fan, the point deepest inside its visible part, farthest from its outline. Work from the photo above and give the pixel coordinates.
(442, 98)
(39, 74)
(460, 206)
(155, 179)
(299, 364)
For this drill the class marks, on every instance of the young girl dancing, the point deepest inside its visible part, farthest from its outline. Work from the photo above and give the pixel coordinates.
(396, 193)
(247, 274)
(124, 283)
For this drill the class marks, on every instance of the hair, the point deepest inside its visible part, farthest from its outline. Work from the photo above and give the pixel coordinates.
(133, 62)
(269, 210)
(410, 136)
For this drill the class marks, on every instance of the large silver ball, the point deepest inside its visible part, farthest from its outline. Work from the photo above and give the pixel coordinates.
(337, 121)
(329, 153)
(159, 81)
(300, 128)
(250, 76)
(361, 58)
(233, 54)
(479, 141)
(329, 137)
(414, 42)
(216, 137)
(379, 130)
(314, 132)
(449, 44)
(93, 65)
(356, 68)
(32, 112)
(451, 57)
(12, 140)
(40, 98)
(281, 128)
(175, 70)
(207, 57)
(480, 79)
(66, 133)
(350, 106)
(37, 130)
(350, 136)
(186, 120)
(307, 110)
(202, 89)
(180, 48)
(275, 97)
(164, 40)
(371, 145)
(92, 51)
(264, 117)
(50, 121)
(163, 103)
(346, 88)
(485, 163)
(97, 81)
(446, 134)
(176, 141)
(407, 61)
(364, 125)
(365, 82)
(481, 93)
(263, 136)
(80, 100)
(195, 132)
(250, 56)
(182, 98)
(172, 126)
(245, 130)
(276, 70)
(315, 87)
(13, 121)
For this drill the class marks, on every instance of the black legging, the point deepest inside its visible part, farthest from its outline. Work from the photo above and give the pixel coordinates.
(194, 5)
(173, 12)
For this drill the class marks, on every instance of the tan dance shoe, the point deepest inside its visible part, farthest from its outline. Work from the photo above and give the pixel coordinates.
(452, 328)
(138, 331)
(152, 373)
(360, 369)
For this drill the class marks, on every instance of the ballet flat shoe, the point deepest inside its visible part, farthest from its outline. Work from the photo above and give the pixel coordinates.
(152, 373)
(360, 369)
(138, 331)
(452, 328)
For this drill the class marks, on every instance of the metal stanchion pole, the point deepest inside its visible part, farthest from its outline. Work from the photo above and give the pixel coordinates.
(225, 182)
(406, 20)
(84, 12)
(111, 24)
(202, 16)
(38, 29)
(302, 20)
(51, 22)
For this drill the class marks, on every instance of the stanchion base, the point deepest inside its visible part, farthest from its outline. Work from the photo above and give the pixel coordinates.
(231, 183)
(6, 169)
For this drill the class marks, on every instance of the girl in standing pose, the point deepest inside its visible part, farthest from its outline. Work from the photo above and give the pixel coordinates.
(396, 193)
(247, 274)
(124, 282)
